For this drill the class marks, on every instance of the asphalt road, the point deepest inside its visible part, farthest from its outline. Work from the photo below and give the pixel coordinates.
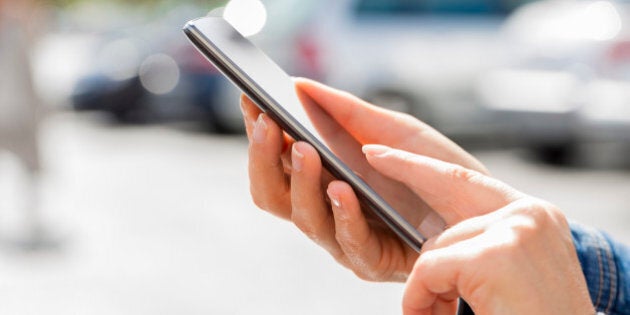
(156, 220)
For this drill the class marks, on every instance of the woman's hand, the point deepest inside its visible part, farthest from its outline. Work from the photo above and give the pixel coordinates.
(287, 178)
(505, 253)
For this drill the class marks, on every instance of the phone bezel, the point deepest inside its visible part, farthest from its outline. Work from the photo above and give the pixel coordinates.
(195, 29)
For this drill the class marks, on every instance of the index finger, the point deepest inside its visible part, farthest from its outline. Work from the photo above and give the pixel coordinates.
(372, 124)
(361, 119)
(454, 192)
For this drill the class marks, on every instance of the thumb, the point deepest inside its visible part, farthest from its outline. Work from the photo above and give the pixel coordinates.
(454, 192)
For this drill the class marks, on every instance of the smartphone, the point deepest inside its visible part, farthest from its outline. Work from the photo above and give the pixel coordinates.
(273, 90)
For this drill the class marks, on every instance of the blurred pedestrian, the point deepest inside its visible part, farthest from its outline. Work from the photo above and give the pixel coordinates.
(20, 111)
(504, 252)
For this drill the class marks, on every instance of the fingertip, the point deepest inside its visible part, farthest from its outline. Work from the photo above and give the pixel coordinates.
(304, 148)
(305, 91)
(304, 158)
(247, 105)
(250, 112)
(267, 142)
(304, 87)
(261, 129)
(244, 98)
(416, 297)
(300, 80)
(345, 204)
(384, 159)
(297, 158)
(375, 150)
(310, 91)
(335, 191)
(339, 188)
(302, 83)
(347, 211)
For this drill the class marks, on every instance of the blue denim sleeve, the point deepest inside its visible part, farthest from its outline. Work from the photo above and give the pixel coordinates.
(606, 266)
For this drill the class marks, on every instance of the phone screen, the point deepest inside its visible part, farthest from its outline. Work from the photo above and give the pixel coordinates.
(273, 91)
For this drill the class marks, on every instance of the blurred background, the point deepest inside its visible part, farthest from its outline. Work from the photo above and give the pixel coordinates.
(123, 185)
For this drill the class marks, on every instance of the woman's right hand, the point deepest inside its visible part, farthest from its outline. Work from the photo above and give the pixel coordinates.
(509, 254)
(287, 179)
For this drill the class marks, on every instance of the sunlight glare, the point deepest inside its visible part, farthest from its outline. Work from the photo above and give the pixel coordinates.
(247, 16)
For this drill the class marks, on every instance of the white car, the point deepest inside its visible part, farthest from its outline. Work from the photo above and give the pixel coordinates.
(569, 83)
(421, 57)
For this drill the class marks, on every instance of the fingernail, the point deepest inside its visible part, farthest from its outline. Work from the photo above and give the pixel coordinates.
(243, 108)
(334, 199)
(248, 119)
(375, 149)
(297, 158)
(260, 129)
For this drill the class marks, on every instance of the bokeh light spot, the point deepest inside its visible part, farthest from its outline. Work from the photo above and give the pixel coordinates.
(247, 16)
(159, 74)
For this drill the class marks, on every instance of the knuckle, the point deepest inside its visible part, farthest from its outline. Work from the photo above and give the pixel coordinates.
(349, 243)
(547, 221)
(367, 274)
(554, 214)
(530, 221)
(339, 257)
(432, 242)
(304, 225)
(358, 262)
(273, 203)
(364, 275)
(363, 268)
(459, 173)
(424, 263)
(258, 200)
(542, 213)
(260, 205)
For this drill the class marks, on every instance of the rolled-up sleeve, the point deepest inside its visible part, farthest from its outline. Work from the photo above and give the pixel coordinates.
(606, 266)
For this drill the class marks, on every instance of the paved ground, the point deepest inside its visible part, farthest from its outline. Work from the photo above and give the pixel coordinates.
(154, 220)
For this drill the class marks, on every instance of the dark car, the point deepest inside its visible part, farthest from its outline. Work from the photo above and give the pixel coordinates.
(152, 74)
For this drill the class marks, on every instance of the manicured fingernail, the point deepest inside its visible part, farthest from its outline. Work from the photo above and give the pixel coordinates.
(248, 119)
(375, 149)
(243, 108)
(297, 158)
(334, 199)
(260, 129)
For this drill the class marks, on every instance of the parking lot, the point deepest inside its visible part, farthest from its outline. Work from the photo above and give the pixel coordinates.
(157, 220)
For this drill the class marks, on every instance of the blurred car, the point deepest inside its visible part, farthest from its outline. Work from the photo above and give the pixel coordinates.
(152, 73)
(570, 78)
(420, 57)
(159, 51)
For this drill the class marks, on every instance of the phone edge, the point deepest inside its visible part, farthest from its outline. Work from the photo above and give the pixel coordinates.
(367, 195)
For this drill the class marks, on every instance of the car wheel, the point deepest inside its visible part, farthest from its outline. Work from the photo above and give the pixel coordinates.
(556, 154)
(222, 126)
(127, 103)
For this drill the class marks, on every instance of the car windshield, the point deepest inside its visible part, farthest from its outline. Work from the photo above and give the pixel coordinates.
(437, 7)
